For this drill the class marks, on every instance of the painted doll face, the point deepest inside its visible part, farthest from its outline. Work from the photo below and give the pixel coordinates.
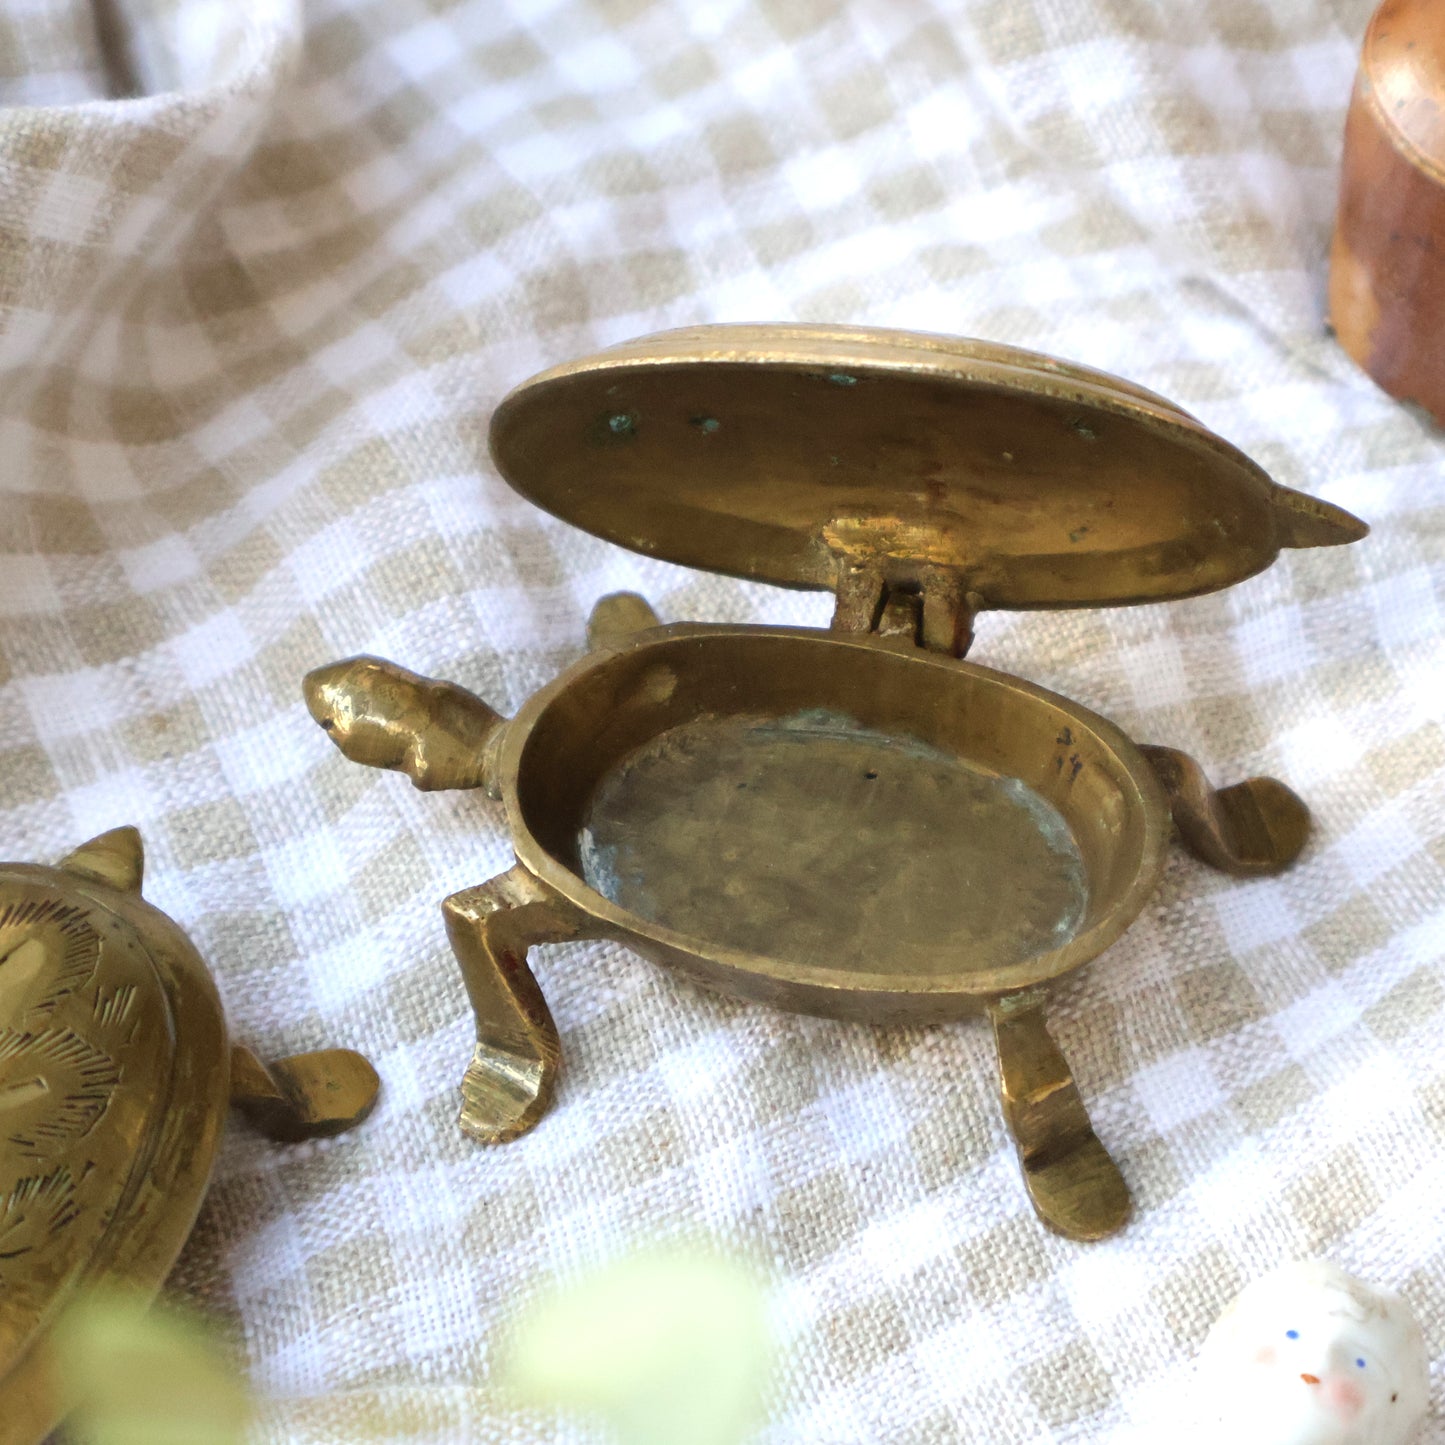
(1308, 1355)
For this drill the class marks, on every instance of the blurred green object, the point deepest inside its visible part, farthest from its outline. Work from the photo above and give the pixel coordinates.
(132, 1376)
(667, 1347)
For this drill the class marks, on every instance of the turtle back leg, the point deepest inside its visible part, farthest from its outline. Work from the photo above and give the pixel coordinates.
(1251, 828)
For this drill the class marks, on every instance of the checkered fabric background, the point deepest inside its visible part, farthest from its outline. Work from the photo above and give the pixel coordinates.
(265, 270)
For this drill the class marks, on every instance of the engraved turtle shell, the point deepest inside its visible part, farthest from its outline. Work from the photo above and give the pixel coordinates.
(113, 1088)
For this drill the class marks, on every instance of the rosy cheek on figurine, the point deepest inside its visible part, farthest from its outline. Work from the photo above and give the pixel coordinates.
(1309, 1355)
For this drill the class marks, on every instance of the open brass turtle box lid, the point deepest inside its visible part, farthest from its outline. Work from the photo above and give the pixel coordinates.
(854, 822)
(795, 455)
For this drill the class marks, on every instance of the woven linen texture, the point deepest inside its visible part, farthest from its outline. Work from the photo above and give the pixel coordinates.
(265, 270)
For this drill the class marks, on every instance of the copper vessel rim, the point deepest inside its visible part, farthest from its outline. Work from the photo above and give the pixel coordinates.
(1366, 92)
(1422, 161)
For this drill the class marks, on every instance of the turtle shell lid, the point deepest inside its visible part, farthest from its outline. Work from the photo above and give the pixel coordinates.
(788, 453)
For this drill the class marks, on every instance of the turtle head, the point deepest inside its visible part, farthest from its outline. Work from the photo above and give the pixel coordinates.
(386, 717)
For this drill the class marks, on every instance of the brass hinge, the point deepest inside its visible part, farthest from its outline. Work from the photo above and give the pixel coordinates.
(923, 605)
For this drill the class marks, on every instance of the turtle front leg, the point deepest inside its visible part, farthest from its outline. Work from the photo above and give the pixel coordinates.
(1075, 1187)
(616, 617)
(438, 734)
(303, 1096)
(1250, 829)
(508, 1084)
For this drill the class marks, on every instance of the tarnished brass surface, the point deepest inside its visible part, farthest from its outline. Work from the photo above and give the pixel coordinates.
(577, 737)
(1255, 827)
(617, 616)
(834, 845)
(858, 822)
(303, 1096)
(115, 1073)
(508, 1083)
(1074, 1185)
(790, 453)
(381, 715)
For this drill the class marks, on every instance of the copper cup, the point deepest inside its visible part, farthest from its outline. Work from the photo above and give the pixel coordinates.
(1387, 265)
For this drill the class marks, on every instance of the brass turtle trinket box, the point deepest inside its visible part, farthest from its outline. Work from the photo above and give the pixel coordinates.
(115, 1076)
(854, 822)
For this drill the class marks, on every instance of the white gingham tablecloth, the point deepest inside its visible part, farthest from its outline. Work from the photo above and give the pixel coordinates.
(265, 268)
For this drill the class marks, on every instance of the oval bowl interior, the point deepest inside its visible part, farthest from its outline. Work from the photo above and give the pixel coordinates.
(833, 824)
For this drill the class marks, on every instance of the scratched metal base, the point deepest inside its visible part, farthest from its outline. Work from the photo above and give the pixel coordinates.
(835, 845)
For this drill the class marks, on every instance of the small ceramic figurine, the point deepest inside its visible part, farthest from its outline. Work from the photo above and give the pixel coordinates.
(1309, 1355)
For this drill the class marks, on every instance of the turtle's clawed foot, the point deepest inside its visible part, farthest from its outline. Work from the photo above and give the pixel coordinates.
(617, 616)
(1255, 827)
(504, 1095)
(303, 1096)
(508, 1083)
(1073, 1184)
